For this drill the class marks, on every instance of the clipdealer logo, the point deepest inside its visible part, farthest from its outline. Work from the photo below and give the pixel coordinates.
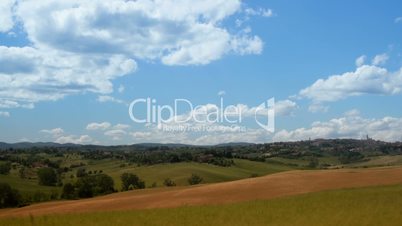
(197, 115)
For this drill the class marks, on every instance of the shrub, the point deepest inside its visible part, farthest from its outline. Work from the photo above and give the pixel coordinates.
(68, 191)
(194, 179)
(39, 196)
(81, 172)
(5, 168)
(131, 181)
(347, 157)
(9, 197)
(84, 187)
(47, 176)
(169, 183)
(90, 186)
(104, 184)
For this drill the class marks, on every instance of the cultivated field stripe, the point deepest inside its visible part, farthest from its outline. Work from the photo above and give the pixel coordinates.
(261, 188)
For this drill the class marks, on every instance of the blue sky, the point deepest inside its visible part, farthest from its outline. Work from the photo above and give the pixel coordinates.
(69, 69)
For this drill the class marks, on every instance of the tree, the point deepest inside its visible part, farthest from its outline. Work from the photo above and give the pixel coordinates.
(81, 172)
(169, 182)
(347, 157)
(194, 179)
(5, 168)
(9, 197)
(131, 181)
(90, 186)
(68, 191)
(104, 184)
(84, 187)
(47, 176)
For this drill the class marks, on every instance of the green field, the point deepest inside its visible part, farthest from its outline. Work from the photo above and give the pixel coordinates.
(364, 206)
(26, 186)
(179, 172)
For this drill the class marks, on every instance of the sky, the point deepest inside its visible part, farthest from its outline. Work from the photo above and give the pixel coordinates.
(70, 70)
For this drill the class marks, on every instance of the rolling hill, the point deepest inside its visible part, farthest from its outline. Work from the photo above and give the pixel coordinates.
(263, 188)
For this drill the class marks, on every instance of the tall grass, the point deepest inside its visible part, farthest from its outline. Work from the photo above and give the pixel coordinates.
(364, 206)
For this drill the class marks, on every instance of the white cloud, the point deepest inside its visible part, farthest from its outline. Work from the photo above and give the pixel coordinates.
(98, 126)
(105, 98)
(204, 112)
(352, 113)
(250, 136)
(398, 19)
(352, 125)
(116, 134)
(315, 108)
(121, 126)
(12, 104)
(121, 89)
(221, 93)
(247, 45)
(141, 135)
(81, 46)
(28, 75)
(4, 114)
(84, 139)
(285, 107)
(360, 60)
(380, 59)
(6, 16)
(259, 12)
(366, 79)
(170, 30)
(56, 132)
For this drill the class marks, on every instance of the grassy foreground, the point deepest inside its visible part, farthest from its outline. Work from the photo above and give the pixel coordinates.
(363, 206)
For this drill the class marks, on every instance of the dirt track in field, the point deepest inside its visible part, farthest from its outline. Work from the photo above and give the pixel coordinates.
(267, 187)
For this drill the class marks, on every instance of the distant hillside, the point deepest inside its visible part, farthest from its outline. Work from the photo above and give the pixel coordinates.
(328, 144)
(24, 145)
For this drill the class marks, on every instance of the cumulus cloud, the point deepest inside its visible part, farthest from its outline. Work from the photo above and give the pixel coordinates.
(121, 126)
(259, 12)
(285, 107)
(83, 139)
(208, 112)
(221, 93)
(171, 30)
(247, 45)
(106, 98)
(366, 79)
(98, 126)
(56, 132)
(315, 108)
(81, 46)
(6, 16)
(28, 75)
(4, 114)
(380, 59)
(59, 136)
(115, 134)
(13, 104)
(121, 89)
(360, 60)
(351, 125)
